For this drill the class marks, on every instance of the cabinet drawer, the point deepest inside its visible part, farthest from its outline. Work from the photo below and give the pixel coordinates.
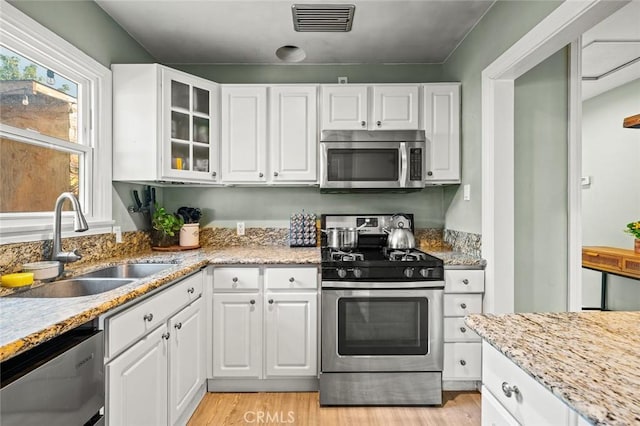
(463, 281)
(533, 404)
(455, 330)
(459, 305)
(631, 266)
(236, 278)
(128, 326)
(291, 278)
(462, 361)
(607, 261)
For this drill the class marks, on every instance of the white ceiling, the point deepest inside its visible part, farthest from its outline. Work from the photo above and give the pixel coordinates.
(607, 48)
(242, 31)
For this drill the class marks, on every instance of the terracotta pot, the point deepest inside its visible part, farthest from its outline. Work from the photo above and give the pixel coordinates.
(636, 246)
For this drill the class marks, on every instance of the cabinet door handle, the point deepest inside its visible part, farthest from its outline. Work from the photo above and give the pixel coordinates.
(363, 123)
(275, 174)
(379, 123)
(509, 390)
(253, 302)
(463, 305)
(271, 301)
(191, 290)
(429, 173)
(463, 362)
(292, 279)
(463, 330)
(166, 335)
(178, 326)
(214, 174)
(148, 317)
(465, 281)
(260, 174)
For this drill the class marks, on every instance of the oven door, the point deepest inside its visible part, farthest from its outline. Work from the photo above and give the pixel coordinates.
(382, 330)
(345, 165)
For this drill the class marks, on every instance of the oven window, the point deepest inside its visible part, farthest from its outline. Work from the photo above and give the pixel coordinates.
(363, 165)
(383, 326)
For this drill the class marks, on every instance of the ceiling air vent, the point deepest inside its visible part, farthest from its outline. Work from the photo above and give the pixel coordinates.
(322, 17)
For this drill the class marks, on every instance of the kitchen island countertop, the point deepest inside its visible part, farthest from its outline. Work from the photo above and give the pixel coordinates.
(590, 360)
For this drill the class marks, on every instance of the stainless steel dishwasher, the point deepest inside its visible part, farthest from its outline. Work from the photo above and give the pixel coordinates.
(60, 382)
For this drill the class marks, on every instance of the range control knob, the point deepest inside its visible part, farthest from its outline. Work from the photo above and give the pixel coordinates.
(408, 272)
(357, 272)
(341, 272)
(425, 272)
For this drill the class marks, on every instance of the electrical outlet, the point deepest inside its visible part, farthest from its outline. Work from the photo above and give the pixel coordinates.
(343, 80)
(466, 192)
(118, 231)
(240, 228)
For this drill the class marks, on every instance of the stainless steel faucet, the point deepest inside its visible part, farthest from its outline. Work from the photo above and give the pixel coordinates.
(79, 225)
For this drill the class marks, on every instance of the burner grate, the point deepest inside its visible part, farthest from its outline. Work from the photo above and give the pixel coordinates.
(345, 256)
(406, 255)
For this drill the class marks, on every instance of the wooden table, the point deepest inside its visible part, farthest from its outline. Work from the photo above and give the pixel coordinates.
(610, 260)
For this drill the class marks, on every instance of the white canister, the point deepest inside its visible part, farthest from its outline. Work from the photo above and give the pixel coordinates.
(190, 235)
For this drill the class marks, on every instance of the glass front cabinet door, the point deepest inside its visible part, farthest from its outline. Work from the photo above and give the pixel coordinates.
(189, 132)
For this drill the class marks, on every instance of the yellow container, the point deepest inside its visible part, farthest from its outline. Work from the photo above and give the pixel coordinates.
(17, 280)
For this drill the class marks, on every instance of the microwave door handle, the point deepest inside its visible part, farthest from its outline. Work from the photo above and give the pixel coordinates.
(403, 164)
(324, 165)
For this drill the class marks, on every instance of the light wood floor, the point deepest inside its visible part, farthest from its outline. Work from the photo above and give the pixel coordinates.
(302, 409)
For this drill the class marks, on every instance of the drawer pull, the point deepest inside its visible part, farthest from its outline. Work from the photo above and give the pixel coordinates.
(166, 335)
(178, 326)
(234, 279)
(463, 329)
(463, 362)
(465, 281)
(253, 302)
(148, 317)
(271, 301)
(463, 305)
(191, 290)
(509, 390)
(291, 279)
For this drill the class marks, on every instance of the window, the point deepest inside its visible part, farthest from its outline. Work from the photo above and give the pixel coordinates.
(55, 130)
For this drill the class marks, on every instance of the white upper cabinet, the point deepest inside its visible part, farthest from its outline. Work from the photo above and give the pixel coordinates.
(395, 108)
(165, 125)
(442, 129)
(244, 133)
(344, 107)
(293, 137)
(287, 153)
(374, 107)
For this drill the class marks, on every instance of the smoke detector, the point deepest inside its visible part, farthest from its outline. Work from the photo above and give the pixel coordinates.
(322, 17)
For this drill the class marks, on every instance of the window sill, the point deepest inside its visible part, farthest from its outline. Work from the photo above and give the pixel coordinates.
(39, 232)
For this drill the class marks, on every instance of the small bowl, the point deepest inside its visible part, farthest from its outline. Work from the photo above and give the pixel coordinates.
(43, 271)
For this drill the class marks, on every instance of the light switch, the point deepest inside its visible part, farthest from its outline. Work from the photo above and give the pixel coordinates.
(466, 192)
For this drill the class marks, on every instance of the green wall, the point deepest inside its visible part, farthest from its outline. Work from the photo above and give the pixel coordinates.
(296, 73)
(504, 24)
(540, 201)
(85, 25)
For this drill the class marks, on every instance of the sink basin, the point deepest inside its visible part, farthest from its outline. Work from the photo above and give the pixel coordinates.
(76, 287)
(128, 270)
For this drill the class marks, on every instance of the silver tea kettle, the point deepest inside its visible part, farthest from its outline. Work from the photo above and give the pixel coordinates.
(400, 238)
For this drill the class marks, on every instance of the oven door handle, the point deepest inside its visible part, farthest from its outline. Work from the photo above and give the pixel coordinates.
(403, 164)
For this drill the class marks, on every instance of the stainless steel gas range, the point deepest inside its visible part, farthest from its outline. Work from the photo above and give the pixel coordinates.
(381, 318)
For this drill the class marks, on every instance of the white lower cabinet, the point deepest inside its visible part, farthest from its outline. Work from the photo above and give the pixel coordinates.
(290, 334)
(264, 327)
(494, 414)
(237, 335)
(158, 378)
(462, 349)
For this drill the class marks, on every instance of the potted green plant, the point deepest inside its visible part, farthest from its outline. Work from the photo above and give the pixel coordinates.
(633, 228)
(165, 228)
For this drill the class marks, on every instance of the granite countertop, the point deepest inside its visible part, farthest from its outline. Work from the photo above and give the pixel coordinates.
(27, 322)
(590, 360)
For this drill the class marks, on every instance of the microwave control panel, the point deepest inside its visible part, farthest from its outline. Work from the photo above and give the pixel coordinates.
(415, 164)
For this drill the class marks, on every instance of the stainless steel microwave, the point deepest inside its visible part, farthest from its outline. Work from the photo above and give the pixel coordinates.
(372, 160)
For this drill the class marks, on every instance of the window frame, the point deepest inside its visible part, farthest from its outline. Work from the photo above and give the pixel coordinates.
(25, 36)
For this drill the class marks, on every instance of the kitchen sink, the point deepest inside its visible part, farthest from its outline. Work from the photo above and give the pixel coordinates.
(128, 270)
(76, 287)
